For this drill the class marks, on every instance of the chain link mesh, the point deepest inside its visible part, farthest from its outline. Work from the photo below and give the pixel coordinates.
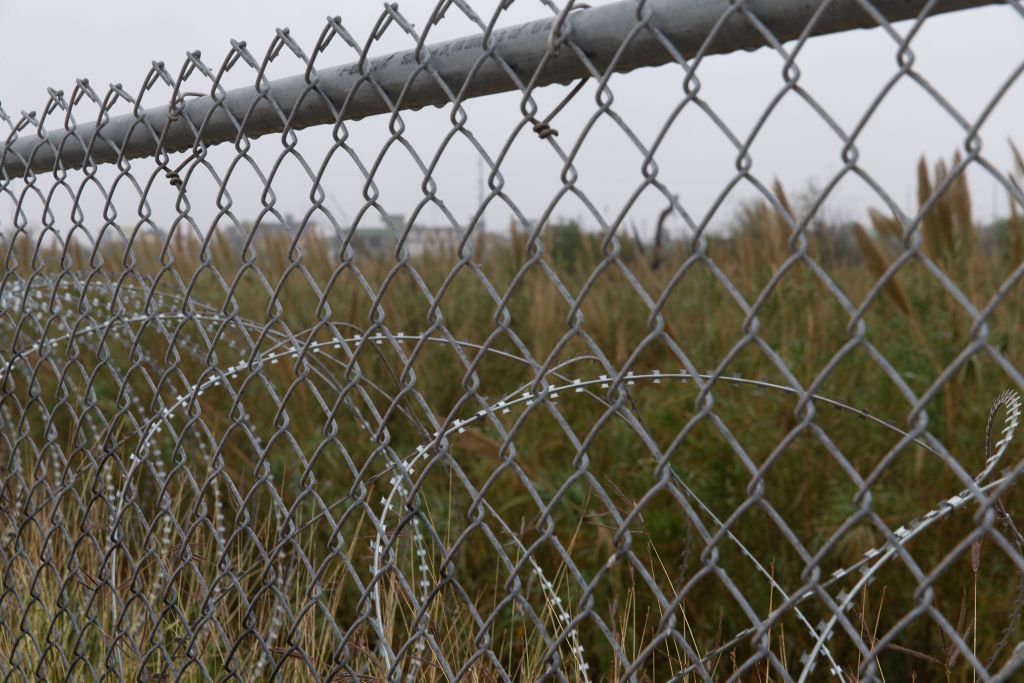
(245, 433)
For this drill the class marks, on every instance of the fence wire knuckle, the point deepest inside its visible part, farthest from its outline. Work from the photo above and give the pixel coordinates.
(260, 420)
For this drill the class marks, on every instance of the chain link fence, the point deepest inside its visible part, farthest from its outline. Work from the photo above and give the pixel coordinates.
(249, 430)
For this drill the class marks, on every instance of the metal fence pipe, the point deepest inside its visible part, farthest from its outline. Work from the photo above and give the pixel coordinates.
(599, 31)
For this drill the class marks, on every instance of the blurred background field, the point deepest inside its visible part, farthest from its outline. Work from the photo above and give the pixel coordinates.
(277, 468)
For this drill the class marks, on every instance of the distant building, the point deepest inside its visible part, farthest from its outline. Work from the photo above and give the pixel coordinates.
(271, 230)
(369, 239)
(420, 240)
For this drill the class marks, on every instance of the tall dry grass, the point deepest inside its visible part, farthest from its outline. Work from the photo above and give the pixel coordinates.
(749, 304)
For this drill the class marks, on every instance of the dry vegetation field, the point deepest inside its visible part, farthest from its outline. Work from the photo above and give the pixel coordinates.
(269, 481)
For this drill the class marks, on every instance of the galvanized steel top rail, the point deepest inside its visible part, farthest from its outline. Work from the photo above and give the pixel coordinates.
(412, 79)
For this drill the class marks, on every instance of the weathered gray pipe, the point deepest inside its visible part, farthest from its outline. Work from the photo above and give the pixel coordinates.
(599, 31)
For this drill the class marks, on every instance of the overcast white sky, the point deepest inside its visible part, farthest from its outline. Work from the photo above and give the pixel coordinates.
(967, 56)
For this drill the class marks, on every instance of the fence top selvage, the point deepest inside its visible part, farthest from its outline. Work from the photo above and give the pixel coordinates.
(515, 58)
